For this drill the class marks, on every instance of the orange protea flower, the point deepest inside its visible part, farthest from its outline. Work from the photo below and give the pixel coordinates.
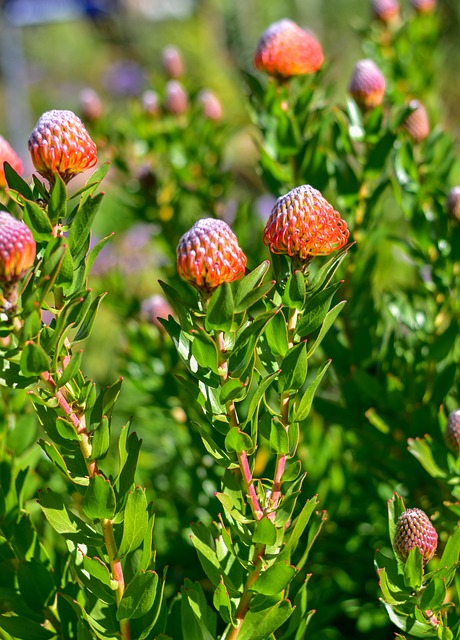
(367, 84)
(208, 255)
(414, 529)
(303, 224)
(8, 154)
(17, 248)
(286, 50)
(60, 144)
(417, 124)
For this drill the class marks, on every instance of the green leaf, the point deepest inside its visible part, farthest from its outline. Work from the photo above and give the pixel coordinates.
(99, 499)
(294, 292)
(279, 437)
(237, 440)
(204, 350)
(36, 584)
(451, 551)
(126, 477)
(303, 407)
(277, 336)
(413, 569)
(135, 522)
(293, 369)
(89, 319)
(421, 448)
(433, 595)
(65, 522)
(296, 531)
(37, 221)
(139, 596)
(260, 624)
(233, 390)
(99, 570)
(246, 343)
(328, 322)
(222, 603)
(275, 579)
(21, 628)
(58, 199)
(82, 223)
(198, 620)
(316, 309)
(205, 548)
(15, 181)
(93, 182)
(219, 314)
(265, 532)
(71, 370)
(94, 252)
(100, 439)
(249, 289)
(33, 360)
(409, 624)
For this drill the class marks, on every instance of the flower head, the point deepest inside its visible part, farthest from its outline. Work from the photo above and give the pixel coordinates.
(176, 101)
(286, 50)
(171, 59)
(60, 144)
(417, 124)
(208, 255)
(423, 6)
(385, 10)
(453, 203)
(8, 154)
(414, 529)
(303, 224)
(367, 84)
(452, 434)
(17, 249)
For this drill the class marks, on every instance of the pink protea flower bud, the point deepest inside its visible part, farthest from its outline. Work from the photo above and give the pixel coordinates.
(303, 224)
(452, 434)
(17, 249)
(367, 84)
(414, 529)
(60, 144)
(286, 50)
(172, 62)
(453, 203)
(417, 124)
(154, 308)
(210, 104)
(90, 104)
(385, 10)
(176, 98)
(8, 154)
(150, 103)
(423, 6)
(208, 255)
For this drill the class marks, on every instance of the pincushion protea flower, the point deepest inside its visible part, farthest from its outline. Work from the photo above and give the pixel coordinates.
(417, 124)
(17, 249)
(452, 434)
(8, 154)
(414, 529)
(423, 6)
(60, 144)
(286, 50)
(453, 203)
(303, 224)
(385, 10)
(208, 255)
(367, 84)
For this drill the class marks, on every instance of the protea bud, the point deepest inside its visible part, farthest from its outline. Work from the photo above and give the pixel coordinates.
(171, 60)
(452, 434)
(303, 224)
(8, 154)
(423, 6)
(60, 144)
(176, 98)
(154, 308)
(150, 103)
(208, 255)
(17, 249)
(367, 84)
(91, 106)
(286, 50)
(417, 124)
(385, 10)
(414, 529)
(453, 203)
(210, 104)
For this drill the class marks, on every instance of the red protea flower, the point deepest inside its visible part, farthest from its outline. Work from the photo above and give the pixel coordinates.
(417, 124)
(367, 84)
(452, 434)
(385, 10)
(60, 144)
(8, 154)
(453, 203)
(303, 224)
(17, 249)
(286, 50)
(423, 6)
(172, 62)
(208, 255)
(414, 529)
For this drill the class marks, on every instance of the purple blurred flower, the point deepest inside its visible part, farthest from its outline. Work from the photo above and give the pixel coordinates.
(125, 78)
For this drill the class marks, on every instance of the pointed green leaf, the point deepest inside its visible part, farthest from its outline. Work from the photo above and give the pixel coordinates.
(219, 315)
(99, 499)
(15, 181)
(316, 309)
(433, 595)
(198, 619)
(294, 293)
(293, 369)
(260, 624)
(277, 336)
(413, 569)
(100, 440)
(303, 407)
(265, 532)
(37, 221)
(274, 579)
(36, 584)
(33, 360)
(135, 522)
(58, 199)
(222, 603)
(279, 438)
(71, 370)
(237, 440)
(87, 324)
(139, 596)
(22, 628)
(99, 570)
(328, 322)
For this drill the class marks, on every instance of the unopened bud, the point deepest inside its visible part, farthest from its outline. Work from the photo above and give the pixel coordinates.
(414, 530)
